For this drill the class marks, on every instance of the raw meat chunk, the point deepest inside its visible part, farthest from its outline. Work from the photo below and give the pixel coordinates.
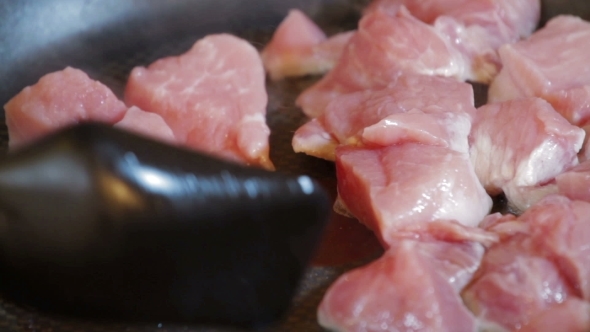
(573, 315)
(213, 97)
(57, 100)
(521, 144)
(298, 47)
(432, 126)
(400, 188)
(147, 124)
(561, 227)
(575, 183)
(413, 287)
(539, 266)
(377, 116)
(313, 139)
(476, 27)
(551, 64)
(513, 286)
(383, 48)
(514, 19)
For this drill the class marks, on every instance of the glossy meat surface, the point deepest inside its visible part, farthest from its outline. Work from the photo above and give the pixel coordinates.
(218, 106)
(551, 64)
(541, 261)
(521, 144)
(403, 187)
(417, 108)
(383, 48)
(476, 27)
(413, 287)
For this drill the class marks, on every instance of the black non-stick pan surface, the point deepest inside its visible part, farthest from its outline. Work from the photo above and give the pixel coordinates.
(107, 38)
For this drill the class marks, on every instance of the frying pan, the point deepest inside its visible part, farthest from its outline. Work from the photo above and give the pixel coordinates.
(107, 38)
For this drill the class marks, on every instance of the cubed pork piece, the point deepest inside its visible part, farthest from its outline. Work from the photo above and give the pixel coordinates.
(521, 144)
(299, 47)
(513, 19)
(572, 315)
(213, 97)
(575, 182)
(417, 108)
(414, 286)
(383, 48)
(432, 125)
(58, 100)
(147, 124)
(476, 27)
(543, 263)
(402, 188)
(552, 64)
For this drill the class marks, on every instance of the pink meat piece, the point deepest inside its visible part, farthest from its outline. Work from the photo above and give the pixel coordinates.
(383, 48)
(401, 188)
(561, 227)
(543, 264)
(575, 183)
(432, 126)
(504, 226)
(520, 144)
(313, 139)
(515, 19)
(376, 116)
(573, 315)
(413, 287)
(58, 100)
(573, 104)
(348, 115)
(147, 124)
(330, 51)
(585, 151)
(299, 47)
(552, 64)
(476, 27)
(213, 97)
(514, 285)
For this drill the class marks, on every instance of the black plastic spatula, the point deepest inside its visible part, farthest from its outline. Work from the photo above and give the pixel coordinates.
(99, 222)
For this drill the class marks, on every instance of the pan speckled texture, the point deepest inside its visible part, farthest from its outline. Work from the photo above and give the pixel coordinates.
(113, 67)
